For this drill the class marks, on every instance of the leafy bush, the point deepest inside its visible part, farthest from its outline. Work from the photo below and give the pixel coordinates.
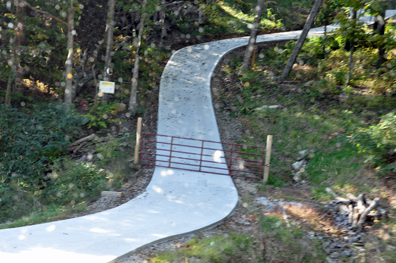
(102, 115)
(30, 141)
(74, 182)
(378, 142)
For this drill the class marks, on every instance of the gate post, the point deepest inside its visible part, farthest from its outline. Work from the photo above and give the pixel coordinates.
(267, 158)
(137, 147)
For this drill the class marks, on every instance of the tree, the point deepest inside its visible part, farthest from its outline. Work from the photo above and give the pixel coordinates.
(301, 40)
(253, 35)
(69, 88)
(109, 42)
(135, 71)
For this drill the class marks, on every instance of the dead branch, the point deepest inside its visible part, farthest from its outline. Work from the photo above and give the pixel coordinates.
(90, 137)
(46, 13)
(363, 216)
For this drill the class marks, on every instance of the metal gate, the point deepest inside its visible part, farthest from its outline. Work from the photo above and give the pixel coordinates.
(202, 155)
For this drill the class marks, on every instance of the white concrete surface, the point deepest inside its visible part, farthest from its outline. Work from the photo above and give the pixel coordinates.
(175, 202)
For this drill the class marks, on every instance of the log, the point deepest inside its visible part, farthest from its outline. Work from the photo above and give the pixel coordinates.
(355, 217)
(352, 197)
(363, 216)
(90, 137)
(350, 216)
(79, 147)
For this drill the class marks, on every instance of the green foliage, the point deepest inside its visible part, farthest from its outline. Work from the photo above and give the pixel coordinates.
(30, 141)
(73, 182)
(102, 115)
(378, 142)
(216, 249)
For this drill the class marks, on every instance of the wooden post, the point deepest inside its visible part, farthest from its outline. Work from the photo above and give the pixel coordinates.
(137, 147)
(267, 158)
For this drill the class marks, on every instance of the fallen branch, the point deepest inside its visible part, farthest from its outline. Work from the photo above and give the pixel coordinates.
(363, 216)
(90, 137)
(358, 209)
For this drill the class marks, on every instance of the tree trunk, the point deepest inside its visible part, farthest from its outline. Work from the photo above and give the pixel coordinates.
(69, 89)
(324, 39)
(19, 40)
(9, 86)
(109, 42)
(379, 26)
(135, 72)
(253, 35)
(302, 38)
(162, 22)
(350, 65)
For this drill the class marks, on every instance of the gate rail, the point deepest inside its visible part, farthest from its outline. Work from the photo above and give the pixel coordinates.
(202, 155)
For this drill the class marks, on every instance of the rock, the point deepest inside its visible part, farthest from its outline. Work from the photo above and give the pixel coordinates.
(335, 255)
(346, 253)
(299, 165)
(325, 244)
(264, 107)
(297, 176)
(302, 154)
(120, 107)
(329, 260)
(263, 201)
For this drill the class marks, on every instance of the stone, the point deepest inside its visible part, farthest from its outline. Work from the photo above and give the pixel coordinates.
(329, 260)
(335, 255)
(302, 154)
(346, 253)
(299, 165)
(263, 201)
(120, 107)
(297, 176)
(265, 107)
(111, 194)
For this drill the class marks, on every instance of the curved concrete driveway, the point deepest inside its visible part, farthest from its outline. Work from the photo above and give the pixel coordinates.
(175, 202)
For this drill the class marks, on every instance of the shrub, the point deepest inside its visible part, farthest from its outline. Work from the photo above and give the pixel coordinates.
(30, 141)
(378, 142)
(73, 182)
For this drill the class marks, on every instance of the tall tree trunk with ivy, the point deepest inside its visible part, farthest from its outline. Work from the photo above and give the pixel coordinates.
(258, 11)
(135, 71)
(301, 40)
(69, 89)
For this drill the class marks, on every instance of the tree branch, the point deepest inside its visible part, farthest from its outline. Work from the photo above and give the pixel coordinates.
(45, 13)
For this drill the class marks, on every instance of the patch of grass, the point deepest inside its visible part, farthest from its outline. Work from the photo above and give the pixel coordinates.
(215, 249)
(45, 214)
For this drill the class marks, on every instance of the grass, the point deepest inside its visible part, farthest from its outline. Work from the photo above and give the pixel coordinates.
(45, 214)
(272, 241)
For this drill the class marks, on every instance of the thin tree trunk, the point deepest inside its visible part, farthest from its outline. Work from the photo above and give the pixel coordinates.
(302, 38)
(135, 72)
(69, 89)
(11, 76)
(324, 39)
(162, 22)
(9, 87)
(350, 65)
(379, 26)
(19, 40)
(253, 35)
(109, 42)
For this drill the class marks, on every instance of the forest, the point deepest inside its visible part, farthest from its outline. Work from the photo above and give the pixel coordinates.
(335, 97)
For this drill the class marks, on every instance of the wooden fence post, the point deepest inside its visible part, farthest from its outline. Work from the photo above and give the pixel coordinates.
(267, 158)
(137, 147)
